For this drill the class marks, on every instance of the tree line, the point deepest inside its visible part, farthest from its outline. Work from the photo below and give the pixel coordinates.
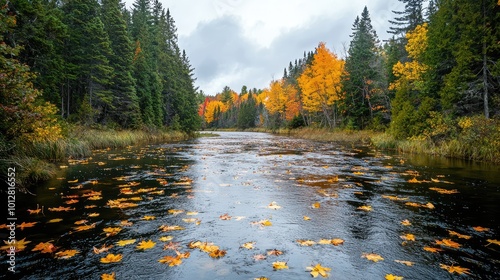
(94, 63)
(439, 69)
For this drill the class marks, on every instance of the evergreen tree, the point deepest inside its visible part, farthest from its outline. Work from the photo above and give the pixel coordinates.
(125, 105)
(362, 80)
(408, 19)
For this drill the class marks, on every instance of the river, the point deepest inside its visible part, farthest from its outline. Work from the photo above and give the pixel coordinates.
(261, 199)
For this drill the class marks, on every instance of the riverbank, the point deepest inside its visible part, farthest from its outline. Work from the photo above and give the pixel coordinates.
(476, 142)
(37, 161)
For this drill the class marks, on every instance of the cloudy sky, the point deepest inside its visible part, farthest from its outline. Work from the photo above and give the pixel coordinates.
(249, 42)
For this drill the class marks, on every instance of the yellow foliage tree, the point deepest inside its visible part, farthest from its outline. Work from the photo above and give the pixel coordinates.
(410, 73)
(281, 99)
(214, 108)
(321, 83)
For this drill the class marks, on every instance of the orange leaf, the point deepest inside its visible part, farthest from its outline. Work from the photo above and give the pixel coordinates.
(455, 269)
(112, 258)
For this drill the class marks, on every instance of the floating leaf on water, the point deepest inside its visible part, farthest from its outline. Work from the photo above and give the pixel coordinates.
(280, 265)
(448, 243)
(306, 218)
(93, 215)
(395, 198)
(112, 231)
(248, 245)
(463, 236)
(171, 246)
(106, 276)
(393, 277)
(372, 257)
(61, 208)
(171, 260)
(103, 249)
(144, 245)
(166, 238)
(432, 249)
(405, 223)
(303, 242)
(407, 263)
(125, 242)
(73, 181)
(175, 211)
(19, 245)
(57, 220)
(84, 227)
(170, 228)
(190, 220)
(337, 241)
(455, 269)
(444, 191)
(148, 218)
(408, 237)
(217, 253)
(480, 229)
(259, 257)
(45, 247)
(493, 241)
(273, 205)
(191, 213)
(265, 223)
(112, 258)
(225, 217)
(316, 205)
(318, 270)
(66, 254)
(26, 225)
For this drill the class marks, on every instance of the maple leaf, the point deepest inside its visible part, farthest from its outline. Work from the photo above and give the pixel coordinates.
(106, 276)
(454, 233)
(112, 258)
(395, 198)
(171, 246)
(408, 237)
(365, 208)
(36, 211)
(85, 227)
(444, 191)
(259, 257)
(372, 257)
(166, 238)
(406, 223)
(274, 206)
(274, 252)
(280, 265)
(80, 222)
(66, 254)
(148, 218)
(432, 249)
(60, 208)
(455, 269)
(265, 223)
(45, 247)
(19, 245)
(248, 245)
(144, 245)
(183, 255)
(448, 242)
(217, 253)
(303, 242)
(26, 225)
(57, 220)
(318, 270)
(393, 277)
(126, 223)
(407, 263)
(480, 229)
(493, 241)
(104, 248)
(225, 217)
(171, 260)
(170, 228)
(125, 242)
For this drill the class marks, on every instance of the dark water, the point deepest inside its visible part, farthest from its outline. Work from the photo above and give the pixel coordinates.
(241, 174)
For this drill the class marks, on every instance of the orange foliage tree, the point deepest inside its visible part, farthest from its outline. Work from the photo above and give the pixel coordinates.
(281, 99)
(321, 84)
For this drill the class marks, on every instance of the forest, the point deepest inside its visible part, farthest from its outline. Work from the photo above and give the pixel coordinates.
(436, 82)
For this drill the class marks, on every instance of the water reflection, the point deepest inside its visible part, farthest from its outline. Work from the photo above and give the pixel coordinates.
(241, 174)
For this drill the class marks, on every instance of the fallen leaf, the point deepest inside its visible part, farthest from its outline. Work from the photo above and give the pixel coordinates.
(408, 237)
(19, 245)
(372, 257)
(61, 208)
(93, 215)
(393, 277)
(448, 242)
(45, 247)
(318, 270)
(274, 206)
(405, 223)
(316, 205)
(171, 246)
(144, 245)
(432, 249)
(480, 229)
(190, 220)
(125, 242)
(395, 198)
(57, 220)
(103, 249)
(170, 260)
(306, 218)
(106, 276)
(337, 241)
(80, 222)
(303, 242)
(111, 231)
(261, 278)
(126, 223)
(259, 257)
(66, 254)
(183, 255)
(325, 242)
(148, 218)
(73, 181)
(444, 191)
(455, 269)
(112, 258)
(407, 263)
(248, 245)
(280, 265)
(274, 252)
(493, 241)
(26, 225)
(225, 217)
(365, 208)
(192, 213)
(85, 227)
(454, 233)
(217, 253)
(166, 238)
(171, 228)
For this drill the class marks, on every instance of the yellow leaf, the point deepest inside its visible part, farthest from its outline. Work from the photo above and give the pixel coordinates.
(407, 263)
(303, 242)
(493, 241)
(316, 205)
(148, 218)
(144, 245)
(455, 269)
(448, 242)
(217, 253)
(393, 277)
(225, 217)
(171, 261)
(432, 249)
(19, 245)
(105, 276)
(408, 237)
(318, 270)
(325, 242)
(66, 254)
(365, 208)
(372, 257)
(280, 265)
(175, 211)
(191, 213)
(104, 248)
(85, 227)
(190, 220)
(405, 223)
(443, 191)
(26, 225)
(454, 233)
(112, 258)
(45, 247)
(274, 206)
(170, 228)
(265, 278)
(306, 218)
(54, 221)
(112, 231)
(337, 241)
(166, 238)
(125, 242)
(248, 245)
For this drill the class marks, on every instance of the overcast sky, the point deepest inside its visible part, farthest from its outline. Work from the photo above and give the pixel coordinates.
(249, 42)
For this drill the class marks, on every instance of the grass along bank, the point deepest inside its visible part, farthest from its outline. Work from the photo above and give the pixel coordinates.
(35, 161)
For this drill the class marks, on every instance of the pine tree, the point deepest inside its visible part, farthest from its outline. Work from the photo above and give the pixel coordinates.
(408, 19)
(125, 106)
